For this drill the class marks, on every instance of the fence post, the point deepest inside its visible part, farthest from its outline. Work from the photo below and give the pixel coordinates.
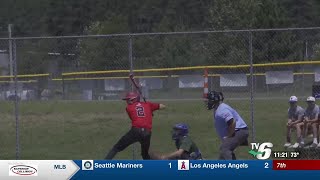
(63, 89)
(130, 53)
(10, 52)
(16, 105)
(253, 135)
(305, 58)
(306, 51)
(131, 71)
(13, 72)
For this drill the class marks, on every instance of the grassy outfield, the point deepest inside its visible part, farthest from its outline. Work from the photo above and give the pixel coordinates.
(87, 130)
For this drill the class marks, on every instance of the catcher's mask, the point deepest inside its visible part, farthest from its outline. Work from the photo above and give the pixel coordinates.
(213, 99)
(132, 97)
(179, 130)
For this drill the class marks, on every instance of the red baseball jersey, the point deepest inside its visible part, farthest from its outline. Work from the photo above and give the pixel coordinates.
(140, 114)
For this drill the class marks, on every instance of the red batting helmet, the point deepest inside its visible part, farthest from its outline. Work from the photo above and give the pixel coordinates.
(132, 96)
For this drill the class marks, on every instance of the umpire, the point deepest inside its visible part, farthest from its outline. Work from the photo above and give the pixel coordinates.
(231, 128)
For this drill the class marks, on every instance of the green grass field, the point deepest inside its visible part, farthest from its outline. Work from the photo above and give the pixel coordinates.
(87, 130)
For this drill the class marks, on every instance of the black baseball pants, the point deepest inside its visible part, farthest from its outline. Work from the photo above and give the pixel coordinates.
(141, 135)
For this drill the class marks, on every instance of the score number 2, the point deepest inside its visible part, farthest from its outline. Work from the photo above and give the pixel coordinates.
(169, 165)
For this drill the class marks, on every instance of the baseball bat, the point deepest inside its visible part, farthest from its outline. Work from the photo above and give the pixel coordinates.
(137, 87)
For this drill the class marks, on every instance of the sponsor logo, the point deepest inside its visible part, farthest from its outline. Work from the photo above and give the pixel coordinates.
(23, 170)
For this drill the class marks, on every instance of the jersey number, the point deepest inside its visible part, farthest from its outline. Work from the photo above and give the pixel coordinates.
(140, 111)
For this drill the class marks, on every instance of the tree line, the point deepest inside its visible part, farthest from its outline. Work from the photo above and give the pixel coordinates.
(90, 17)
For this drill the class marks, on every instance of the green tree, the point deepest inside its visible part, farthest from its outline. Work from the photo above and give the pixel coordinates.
(105, 53)
(230, 48)
(275, 46)
(316, 49)
(77, 17)
(26, 16)
(302, 13)
(32, 57)
(69, 17)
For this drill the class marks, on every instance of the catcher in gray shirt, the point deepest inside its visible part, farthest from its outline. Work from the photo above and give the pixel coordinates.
(311, 120)
(295, 117)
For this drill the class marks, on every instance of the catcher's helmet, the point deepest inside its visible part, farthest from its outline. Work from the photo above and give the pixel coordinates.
(132, 96)
(214, 98)
(179, 130)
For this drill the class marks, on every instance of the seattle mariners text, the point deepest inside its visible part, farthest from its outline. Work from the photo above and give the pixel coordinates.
(118, 166)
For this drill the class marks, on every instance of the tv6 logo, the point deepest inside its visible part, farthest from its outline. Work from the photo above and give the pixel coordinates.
(263, 150)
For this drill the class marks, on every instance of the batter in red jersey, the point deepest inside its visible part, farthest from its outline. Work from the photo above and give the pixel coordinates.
(140, 114)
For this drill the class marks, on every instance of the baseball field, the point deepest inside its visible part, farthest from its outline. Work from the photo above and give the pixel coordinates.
(87, 130)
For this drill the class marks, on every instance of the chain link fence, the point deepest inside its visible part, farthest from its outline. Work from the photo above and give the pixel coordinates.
(68, 88)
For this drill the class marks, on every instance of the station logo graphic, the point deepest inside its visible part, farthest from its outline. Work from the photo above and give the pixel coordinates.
(261, 151)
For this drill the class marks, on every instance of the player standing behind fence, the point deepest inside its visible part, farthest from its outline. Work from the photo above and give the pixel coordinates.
(295, 116)
(311, 121)
(229, 125)
(140, 114)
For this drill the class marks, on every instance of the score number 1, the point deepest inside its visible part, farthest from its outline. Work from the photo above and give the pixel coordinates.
(169, 165)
